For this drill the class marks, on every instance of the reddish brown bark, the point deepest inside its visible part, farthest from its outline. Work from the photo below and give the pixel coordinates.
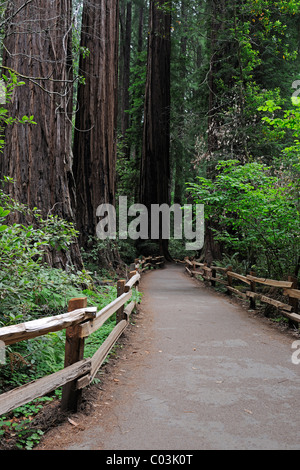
(38, 157)
(125, 70)
(155, 164)
(95, 133)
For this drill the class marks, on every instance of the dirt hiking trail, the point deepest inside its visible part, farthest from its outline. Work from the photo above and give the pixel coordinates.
(195, 372)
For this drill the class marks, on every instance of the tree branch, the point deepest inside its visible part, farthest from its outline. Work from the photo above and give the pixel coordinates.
(15, 13)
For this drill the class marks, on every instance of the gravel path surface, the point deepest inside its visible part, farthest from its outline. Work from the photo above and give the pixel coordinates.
(196, 372)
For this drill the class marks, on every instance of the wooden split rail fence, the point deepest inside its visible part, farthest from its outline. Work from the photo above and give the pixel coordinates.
(149, 262)
(226, 277)
(80, 322)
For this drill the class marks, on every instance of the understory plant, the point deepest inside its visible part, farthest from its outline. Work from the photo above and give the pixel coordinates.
(28, 285)
(255, 213)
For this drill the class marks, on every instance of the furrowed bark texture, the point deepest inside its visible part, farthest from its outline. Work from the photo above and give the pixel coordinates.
(95, 133)
(37, 46)
(155, 163)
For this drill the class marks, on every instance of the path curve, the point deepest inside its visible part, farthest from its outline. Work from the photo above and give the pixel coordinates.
(201, 373)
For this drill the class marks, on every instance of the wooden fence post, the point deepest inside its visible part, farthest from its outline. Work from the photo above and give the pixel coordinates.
(213, 274)
(229, 280)
(293, 302)
(253, 289)
(131, 274)
(120, 291)
(74, 349)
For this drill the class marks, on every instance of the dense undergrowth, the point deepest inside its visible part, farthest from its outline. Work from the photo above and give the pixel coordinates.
(31, 289)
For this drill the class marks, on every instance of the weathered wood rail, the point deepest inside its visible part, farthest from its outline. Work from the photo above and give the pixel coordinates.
(226, 277)
(79, 322)
(149, 262)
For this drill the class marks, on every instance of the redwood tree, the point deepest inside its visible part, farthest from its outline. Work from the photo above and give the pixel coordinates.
(37, 46)
(124, 69)
(95, 132)
(155, 163)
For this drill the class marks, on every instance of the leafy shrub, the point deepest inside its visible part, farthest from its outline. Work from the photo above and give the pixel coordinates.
(256, 215)
(27, 284)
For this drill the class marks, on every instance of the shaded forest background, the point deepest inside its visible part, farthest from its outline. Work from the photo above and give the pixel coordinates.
(165, 102)
(160, 101)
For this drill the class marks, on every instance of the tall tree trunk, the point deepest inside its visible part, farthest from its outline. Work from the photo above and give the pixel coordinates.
(217, 10)
(180, 155)
(125, 76)
(215, 7)
(39, 157)
(155, 163)
(141, 28)
(137, 117)
(95, 133)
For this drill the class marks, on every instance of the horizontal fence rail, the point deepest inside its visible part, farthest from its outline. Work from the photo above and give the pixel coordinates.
(226, 277)
(149, 262)
(79, 322)
(33, 329)
(78, 372)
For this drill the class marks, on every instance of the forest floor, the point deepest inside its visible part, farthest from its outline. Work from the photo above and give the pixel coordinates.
(195, 371)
